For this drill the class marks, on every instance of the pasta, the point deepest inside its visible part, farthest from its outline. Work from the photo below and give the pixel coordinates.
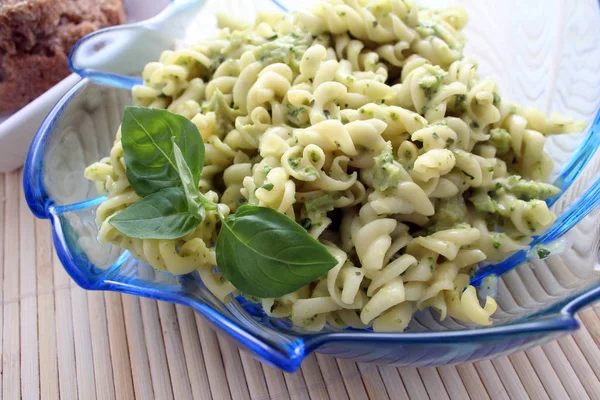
(364, 122)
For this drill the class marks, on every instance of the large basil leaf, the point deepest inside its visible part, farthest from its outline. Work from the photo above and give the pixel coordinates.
(146, 137)
(162, 215)
(266, 254)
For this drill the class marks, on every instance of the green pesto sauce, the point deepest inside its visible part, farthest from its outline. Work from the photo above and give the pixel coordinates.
(315, 210)
(223, 113)
(387, 173)
(449, 213)
(501, 140)
(431, 82)
(529, 190)
(287, 49)
(298, 116)
(482, 202)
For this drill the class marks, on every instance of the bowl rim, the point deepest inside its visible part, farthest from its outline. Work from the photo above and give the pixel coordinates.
(560, 318)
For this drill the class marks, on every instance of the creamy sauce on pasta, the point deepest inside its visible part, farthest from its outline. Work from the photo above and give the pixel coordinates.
(365, 123)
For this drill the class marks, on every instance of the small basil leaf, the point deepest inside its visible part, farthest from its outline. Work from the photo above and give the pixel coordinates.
(162, 215)
(266, 254)
(197, 203)
(146, 137)
(192, 193)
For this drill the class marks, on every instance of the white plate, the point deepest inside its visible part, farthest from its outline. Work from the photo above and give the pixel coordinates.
(18, 129)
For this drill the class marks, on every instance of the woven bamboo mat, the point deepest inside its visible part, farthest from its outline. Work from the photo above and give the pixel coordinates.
(59, 341)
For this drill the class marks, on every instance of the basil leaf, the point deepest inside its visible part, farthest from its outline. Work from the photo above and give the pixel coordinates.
(266, 254)
(197, 203)
(162, 215)
(192, 194)
(146, 137)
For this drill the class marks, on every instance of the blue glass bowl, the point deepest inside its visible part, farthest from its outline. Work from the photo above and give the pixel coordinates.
(537, 300)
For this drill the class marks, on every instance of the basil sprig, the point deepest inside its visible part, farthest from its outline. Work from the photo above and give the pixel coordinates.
(197, 203)
(261, 251)
(160, 172)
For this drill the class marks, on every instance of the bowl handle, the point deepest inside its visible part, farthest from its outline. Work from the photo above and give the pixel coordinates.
(116, 55)
(278, 350)
(271, 346)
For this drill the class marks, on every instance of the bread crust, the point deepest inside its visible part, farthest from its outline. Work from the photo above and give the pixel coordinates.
(36, 37)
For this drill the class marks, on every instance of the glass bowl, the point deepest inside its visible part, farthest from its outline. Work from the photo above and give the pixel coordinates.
(541, 53)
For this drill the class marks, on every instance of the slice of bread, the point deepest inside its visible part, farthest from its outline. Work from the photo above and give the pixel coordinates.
(36, 37)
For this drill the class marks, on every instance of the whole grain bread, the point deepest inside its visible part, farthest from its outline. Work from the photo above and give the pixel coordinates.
(36, 37)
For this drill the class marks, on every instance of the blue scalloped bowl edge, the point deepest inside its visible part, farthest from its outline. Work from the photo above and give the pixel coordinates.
(287, 355)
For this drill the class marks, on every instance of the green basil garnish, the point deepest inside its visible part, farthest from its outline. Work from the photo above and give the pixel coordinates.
(261, 251)
(146, 135)
(266, 254)
(197, 203)
(161, 215)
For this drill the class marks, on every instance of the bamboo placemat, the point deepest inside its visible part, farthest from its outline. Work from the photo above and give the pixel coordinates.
(59, 341)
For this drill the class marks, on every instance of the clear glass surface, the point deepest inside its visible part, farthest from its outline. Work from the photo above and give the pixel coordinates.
(542, 53)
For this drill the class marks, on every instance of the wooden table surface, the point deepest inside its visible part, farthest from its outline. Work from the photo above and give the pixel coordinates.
(59, 341)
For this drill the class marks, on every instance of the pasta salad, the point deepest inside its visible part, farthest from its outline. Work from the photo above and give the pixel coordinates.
(343, 165)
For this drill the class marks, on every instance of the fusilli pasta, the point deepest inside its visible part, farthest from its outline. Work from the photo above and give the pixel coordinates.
(364, 122)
